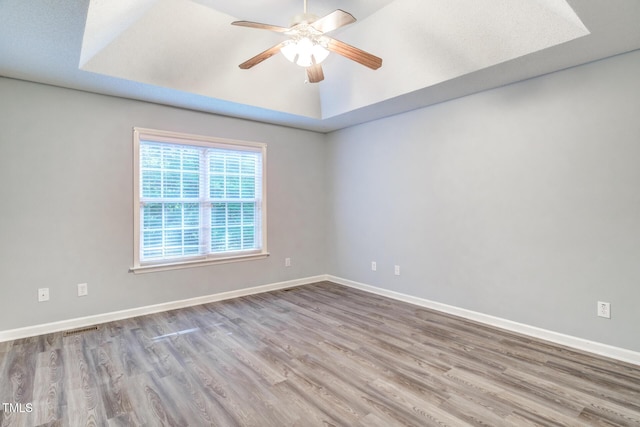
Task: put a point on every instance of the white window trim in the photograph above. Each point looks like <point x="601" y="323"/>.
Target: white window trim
<point x="202" y="141"/>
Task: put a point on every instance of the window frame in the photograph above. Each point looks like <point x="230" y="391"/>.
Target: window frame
<point x="178" y="138"/>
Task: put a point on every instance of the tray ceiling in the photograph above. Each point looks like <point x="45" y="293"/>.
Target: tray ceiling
<point x="186" y="53"/>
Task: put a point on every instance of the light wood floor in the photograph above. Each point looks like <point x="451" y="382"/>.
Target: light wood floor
<point x="318" y="355"/>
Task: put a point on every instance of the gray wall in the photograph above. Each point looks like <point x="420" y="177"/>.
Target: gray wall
<point x="66" y="204"/>
<point x="521" y="202"/>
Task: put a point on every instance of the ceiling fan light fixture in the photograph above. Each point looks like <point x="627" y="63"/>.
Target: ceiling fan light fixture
<point x="304" y="51"/>
<point x="308" y="44"/>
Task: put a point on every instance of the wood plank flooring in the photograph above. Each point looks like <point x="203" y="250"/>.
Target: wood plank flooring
<point x="318" y="355"/>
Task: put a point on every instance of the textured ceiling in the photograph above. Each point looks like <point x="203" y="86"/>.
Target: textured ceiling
<point x="186" y="53"/>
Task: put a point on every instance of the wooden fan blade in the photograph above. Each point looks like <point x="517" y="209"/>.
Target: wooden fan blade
<point x="261" y="56"/>
<point x="315" y="74"/>
<point x="354" y="54"/>
<point x="336" y="19"/>
<point x="260" y="26"/>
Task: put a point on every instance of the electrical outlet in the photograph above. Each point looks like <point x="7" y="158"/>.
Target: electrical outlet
<point x="374" y="266"/>
<point x="604" y="309"/>
<point x="287" y="262"/>
<point x="396" y="270"/>
<point x="43" y="294"/>
<point x="83" y="289"/>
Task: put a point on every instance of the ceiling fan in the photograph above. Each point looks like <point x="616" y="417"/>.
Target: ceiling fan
<point x="308" y="44"/>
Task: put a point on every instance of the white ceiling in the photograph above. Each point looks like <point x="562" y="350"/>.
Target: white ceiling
<point x="186" y="53"/>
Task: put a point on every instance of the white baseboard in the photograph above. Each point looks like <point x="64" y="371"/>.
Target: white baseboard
<point x="532" y="331"/>
<point x="82" y="322"/>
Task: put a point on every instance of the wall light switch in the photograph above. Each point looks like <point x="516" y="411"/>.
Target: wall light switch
<point x="374" y="266"/>
<point x="396" y="270"/>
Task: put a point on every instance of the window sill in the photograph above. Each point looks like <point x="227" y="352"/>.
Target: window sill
<point x="152" y="268"/>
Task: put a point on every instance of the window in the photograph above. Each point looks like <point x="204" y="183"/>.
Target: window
<point x="197" y="200"/>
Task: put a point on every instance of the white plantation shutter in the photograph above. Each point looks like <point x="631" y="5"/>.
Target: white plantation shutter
<point x="198" y="198"/>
